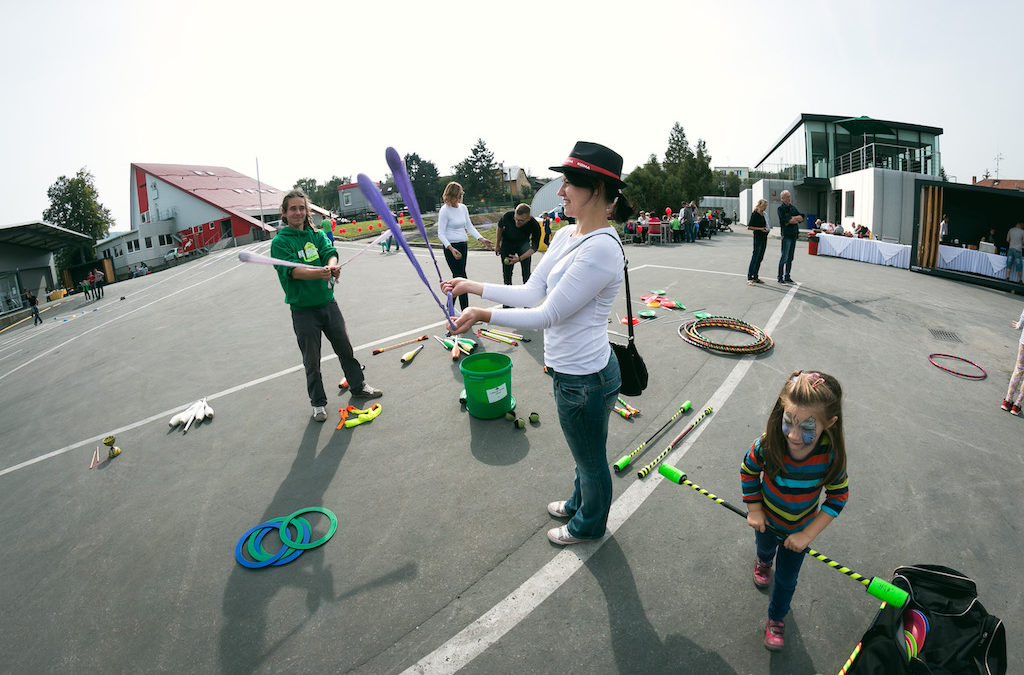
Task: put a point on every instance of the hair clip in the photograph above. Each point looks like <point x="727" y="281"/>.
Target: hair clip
<point x="818" y="379"/>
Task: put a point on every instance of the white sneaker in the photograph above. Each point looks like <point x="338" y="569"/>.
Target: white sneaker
<point x="319" y="413"/>
<point x="557" y="509"/>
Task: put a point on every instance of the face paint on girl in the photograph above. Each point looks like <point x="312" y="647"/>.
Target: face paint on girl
<point x="807" y="426"/>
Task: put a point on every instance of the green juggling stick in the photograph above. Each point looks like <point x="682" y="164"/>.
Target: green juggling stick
<point x="624" y="461"/>
<point x="664" y="453"/>
<point x="880" y="588"/>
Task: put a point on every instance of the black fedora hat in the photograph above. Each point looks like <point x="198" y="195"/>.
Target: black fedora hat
<point x="587" y="157"/>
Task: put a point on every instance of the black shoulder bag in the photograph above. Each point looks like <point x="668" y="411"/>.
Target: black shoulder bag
<point x="632" y="368"/>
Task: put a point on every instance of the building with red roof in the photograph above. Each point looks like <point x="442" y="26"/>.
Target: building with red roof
<point x="184" y="208"/>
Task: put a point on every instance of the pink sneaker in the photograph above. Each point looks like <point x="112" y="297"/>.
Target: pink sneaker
<point x="774" y="635"/>
<point x="1015" y="410"/>
<point x="762" y="573"/>
<point x="1006" y="405"/>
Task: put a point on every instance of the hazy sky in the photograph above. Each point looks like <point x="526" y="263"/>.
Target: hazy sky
<point x="322" y="88"/>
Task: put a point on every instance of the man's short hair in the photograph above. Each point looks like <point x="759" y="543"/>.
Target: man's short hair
<point x="523" y="210"/>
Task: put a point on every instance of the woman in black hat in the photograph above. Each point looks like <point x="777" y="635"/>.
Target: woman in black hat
<point x="570" y="296"/>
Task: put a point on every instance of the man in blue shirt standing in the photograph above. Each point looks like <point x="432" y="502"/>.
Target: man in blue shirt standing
<point x="789" y="221"/>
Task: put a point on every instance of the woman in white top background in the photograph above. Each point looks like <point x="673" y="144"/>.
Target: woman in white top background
<point x="453" y="229"/>
<point x="570" y="296"/>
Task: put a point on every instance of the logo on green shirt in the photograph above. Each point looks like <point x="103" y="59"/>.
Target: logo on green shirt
<point x="309" y="254"/>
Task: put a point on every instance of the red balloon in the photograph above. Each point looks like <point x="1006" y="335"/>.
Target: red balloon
<point x="343" y="230"/>
<point x="353" y="222"/>
<point x="668" y="210"/>
<point x="399" y="221"/>
<point x="371" y="227"/>
<point x="360" y="229"/>
<point x="558" y="219"/>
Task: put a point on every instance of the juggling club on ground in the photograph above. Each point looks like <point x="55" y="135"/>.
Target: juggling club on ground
<point x="664" y="453"/>
<point x="880" y="588"/>
<point x="400" y="344"/>
<point x="624" y="461"/>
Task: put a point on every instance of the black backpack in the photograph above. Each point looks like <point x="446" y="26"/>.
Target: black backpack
<point x="962" y="638"/>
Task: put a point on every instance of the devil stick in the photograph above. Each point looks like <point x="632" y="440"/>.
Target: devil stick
<point x="880" y="588"/>
<point x="376" y="199"/>
<point x="647" y="469"/>
<point x="626" y="459"/>
<point x="404" y="185"/>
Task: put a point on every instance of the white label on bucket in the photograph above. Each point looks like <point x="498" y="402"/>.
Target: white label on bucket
<point x="497" y="394"/>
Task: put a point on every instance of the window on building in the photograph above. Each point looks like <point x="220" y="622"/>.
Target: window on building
<point x="347" y="199"/>
<point x="210" y="227"/>
<point x="149" y="242"/>
<point x="849" y="203"/>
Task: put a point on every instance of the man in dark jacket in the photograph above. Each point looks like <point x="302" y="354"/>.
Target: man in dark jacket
<point x="518" y="238"/>
<point x="789" y="220"/>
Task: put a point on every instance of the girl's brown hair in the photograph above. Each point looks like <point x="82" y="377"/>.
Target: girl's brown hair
<point x="451" y="194"/>
<point x="810" y="389"/>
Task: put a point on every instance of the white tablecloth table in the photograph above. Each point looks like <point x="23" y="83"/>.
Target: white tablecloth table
<point x="975" y="262"/>
<point x="865" y="250"/>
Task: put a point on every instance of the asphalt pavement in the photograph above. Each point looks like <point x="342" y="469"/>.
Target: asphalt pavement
<point x="440" y="561"/>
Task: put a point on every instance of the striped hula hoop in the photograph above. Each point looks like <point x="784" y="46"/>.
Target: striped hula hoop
<point x="690" y="331"/>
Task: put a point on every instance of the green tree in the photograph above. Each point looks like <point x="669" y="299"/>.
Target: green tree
<point x="307" y="185"/>
<point x="75" y="205"/>
<point x="478" y="174"/>
<point x="678" y="150"/>
<point x="425" y="181"/>
<point x="733" y="185"/>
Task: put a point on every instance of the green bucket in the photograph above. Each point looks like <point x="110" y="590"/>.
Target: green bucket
<point x="488" y="379"/>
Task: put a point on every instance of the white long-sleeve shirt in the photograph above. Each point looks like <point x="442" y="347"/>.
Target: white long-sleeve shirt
<point x="453" y="224"/>
<point x="570" y="295"/>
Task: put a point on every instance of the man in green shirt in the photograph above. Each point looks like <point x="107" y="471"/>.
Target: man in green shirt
<point x="311" y="297"/>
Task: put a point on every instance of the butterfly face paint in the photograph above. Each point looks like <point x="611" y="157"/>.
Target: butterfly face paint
<point x="808" y="428"/>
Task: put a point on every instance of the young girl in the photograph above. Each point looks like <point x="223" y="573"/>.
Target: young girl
<point x="801" y="451"/>
<point x="1015" y="394"/>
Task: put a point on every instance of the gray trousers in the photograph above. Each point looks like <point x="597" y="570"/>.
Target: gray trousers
<point x="309" y="324"/>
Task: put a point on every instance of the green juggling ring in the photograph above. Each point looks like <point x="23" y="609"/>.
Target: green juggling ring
<point x="880" y="588"/>
<point x="624" y="461"/>
<point x="313" y="544"/>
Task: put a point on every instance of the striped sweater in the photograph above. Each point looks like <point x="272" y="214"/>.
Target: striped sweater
<point x="790" y="500"/>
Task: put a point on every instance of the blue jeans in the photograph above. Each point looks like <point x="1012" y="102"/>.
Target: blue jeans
<point x="1013" y="261"/>
<point x="690" y="232"/>
<point x="787" y="569"/>
<point x="584" y="403"/>
<point x="786" y="260"/>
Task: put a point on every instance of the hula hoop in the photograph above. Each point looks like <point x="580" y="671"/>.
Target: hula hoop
<point x="958" y="373"/>
<point x="255" y="542"/>
<point x="313" y="544"/>
<point x="264" y="563"/>
<point x="690" y="332"/>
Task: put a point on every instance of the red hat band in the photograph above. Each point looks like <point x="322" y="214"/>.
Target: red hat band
<point x="579" y="164"/>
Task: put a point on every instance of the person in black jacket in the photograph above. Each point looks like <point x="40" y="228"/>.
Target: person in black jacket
<point x="789" y="220"/>
<point x="518" y="239"/>
<point x="759" y="226"/>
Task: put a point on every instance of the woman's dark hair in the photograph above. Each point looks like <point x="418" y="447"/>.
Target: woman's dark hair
<point x="621" y="210"/>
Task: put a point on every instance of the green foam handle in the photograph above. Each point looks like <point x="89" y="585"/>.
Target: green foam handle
<point x="883" y="590"/>
<point x="622" y="463"/>
<point x="675" y="475"/>
<point x="687" y="406"/>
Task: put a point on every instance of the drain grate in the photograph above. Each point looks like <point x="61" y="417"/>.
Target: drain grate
<point x="946" y="335"/>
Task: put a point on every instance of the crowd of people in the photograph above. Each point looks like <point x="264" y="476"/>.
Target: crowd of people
<point x="686" y="225"/>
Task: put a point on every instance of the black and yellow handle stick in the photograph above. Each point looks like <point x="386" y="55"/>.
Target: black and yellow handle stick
<point x="880" y="588"/>
<point x="624" y="461"/>
<point x="664" y="453"/>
